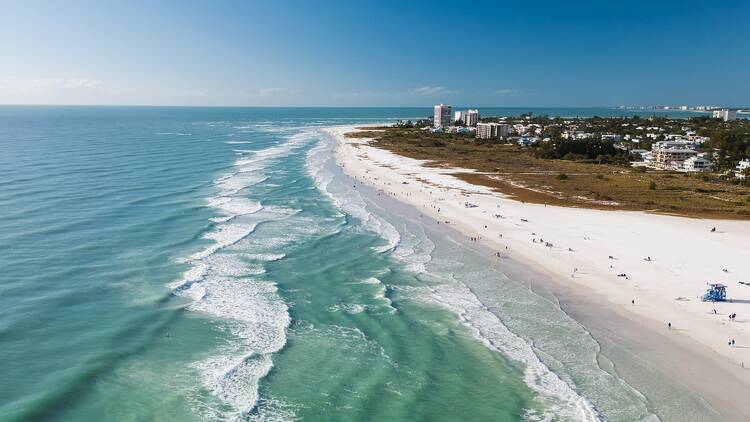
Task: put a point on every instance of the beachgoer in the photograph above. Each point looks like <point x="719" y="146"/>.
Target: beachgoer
<point x="669" y="324"/>
<point x="632" y="301"/>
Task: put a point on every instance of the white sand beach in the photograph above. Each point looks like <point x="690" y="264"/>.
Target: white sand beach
<point x="668" y="260"/>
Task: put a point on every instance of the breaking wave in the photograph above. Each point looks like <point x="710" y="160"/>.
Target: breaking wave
<point x="223" y="282"/>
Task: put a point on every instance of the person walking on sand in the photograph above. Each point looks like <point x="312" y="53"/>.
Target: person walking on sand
<point x="669" y="325"/>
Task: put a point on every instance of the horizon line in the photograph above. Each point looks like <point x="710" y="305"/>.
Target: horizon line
<point x="627" y="107"/>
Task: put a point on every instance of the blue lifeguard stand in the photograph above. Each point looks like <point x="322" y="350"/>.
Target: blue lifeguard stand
<point x="716" y="292"/>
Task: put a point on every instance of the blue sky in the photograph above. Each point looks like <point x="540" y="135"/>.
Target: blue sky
<point x="368" y="53"/>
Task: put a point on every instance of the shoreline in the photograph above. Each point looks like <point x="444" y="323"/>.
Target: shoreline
<point x="596" y="298"/>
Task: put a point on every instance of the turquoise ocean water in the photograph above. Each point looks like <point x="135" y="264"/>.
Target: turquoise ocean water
<point x="180" y="264"/>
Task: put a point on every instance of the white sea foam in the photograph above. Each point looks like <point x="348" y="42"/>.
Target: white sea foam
<point x="558" y="398"/>
<point x="232" y="265"/>
<point x="234" y="380"/>
<point x="369" y="280"/>
<point x="381" y="295"/>
<point x="234" y="206"/>
<point x="195" y="273"/>
<point x="261" y="313"/>
<point x="258" y="319"/>
<point x="350" y="201"/>
<point x="238" y="142"/>
<point x="261" y="157"/>
<point x="235" y="182"/>
<point x="220" y="284"/>
<point x="270" y="409"/>
<point x="225" y="235"/>
<point x="414" y="249"/>
<point x="266" y="256"/>
<point x="349" y="308"/>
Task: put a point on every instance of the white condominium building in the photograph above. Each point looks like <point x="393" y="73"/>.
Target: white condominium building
<point x="696" y="164"/>
<point x="471" y="117"/>
<point x="725" y="114"/>
<point x="442" y="116"/>
<point x="492" y="130"/>
<point x="667" y="154"/>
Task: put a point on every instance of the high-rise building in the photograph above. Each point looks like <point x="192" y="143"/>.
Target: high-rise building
<point x="442" y="116"/>
<point x="725" y="114"/>
<point x="459" y="116"/>
<point x="471" y="118"/>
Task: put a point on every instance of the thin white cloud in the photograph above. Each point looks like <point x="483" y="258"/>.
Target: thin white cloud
<point x="13" y="85"/>
<point x="430" y="90"/>
<point x="267" y="92"/>
<point x="364" y="95"/>
<point x="77" y="83"/>
<point x="504" y="92"/>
